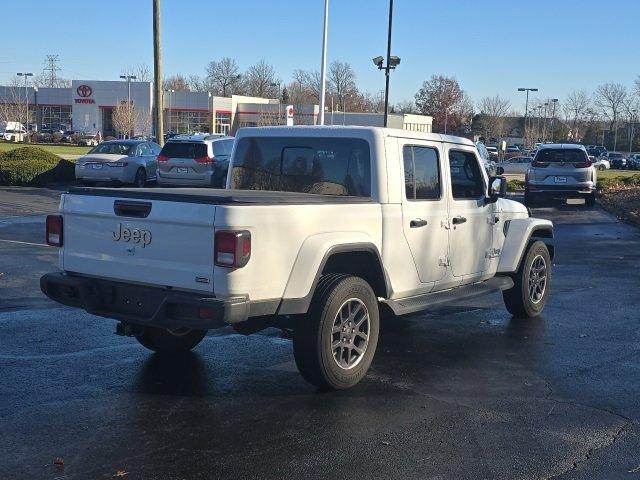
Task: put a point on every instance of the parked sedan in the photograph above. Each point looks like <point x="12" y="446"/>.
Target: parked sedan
<point x="600" y="163"/>
<point x="617" y="160"/>
<point x="122" y="161"/>
<point x="516" y="164"/>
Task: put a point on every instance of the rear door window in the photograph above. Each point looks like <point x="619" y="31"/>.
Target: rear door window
<point x="184" y="150"/>
<point x="329" y="166"/>
<point x="421" y="173"/>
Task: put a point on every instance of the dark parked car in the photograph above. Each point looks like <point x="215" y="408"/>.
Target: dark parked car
<point x="617" y="160"/>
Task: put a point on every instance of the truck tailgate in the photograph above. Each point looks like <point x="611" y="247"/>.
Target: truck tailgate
<point x="145" y="241"/>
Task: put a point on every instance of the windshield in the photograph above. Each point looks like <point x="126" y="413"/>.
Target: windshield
<point x="329" y="166"/>
<point x="113" y="148"/>
<point x="561" y="155"/>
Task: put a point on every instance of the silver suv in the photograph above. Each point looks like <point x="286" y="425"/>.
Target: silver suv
<point x="560" y="171"/>
<point x="201" y="160"/>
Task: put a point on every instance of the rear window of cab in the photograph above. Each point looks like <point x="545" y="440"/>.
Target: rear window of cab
<point x="327" y="166"/>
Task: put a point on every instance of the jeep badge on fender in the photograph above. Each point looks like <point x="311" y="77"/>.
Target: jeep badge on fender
<point x="135" y="235"/>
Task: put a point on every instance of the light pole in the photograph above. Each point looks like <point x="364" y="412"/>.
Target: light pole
<point x="631" y="134"/>
<point x="26" y="76"/>
<point x="157" y="75"/>
<point x="128" y="78"/>
<point x="544" y="123"/>
<point x="392" y="63"/>
<point x="323" y="63"/>
<point x="553" y="119"/>
<point x="526" y="110"/>
<point x="170" y="92"/>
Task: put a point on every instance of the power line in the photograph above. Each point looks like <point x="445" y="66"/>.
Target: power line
<point x="50" y="70"/>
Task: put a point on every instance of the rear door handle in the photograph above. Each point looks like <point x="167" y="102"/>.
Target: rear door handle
<point x="458" y="220"/>
<point x="417" y="223"/>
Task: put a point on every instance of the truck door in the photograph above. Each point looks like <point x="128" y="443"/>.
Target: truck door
<point x="424" y="208"/>
<point x="471" y="230"/>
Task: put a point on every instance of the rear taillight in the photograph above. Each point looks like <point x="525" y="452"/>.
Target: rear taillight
<point x="582" y="165"/>
<point x="536" y="163"/>
<point x="54" y="230"/>
<point x="162" y="158"/>
<point x="204" y="160"/>
<point x="232" y="249"/>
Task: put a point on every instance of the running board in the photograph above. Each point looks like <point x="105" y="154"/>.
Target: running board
<point x="418" y="303"/>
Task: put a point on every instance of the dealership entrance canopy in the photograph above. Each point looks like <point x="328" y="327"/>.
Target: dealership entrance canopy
<point x="88" y="106"/>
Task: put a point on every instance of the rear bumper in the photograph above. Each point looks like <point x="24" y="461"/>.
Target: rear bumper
<point x="143" y="305"/>
<point x="107" y="174"/>
<point x="585" y="188"/>
<point x="176" y="179"/>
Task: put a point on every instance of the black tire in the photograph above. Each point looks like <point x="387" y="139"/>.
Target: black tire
<point x="165" y="341"/>
<point x="529" y="199"/>
<point x="140" y="179"/>
<point x="88" y="183"/>
<point x="518" y="299"/>
<point x="590" y="200"/>
<point x="313" y="336"/>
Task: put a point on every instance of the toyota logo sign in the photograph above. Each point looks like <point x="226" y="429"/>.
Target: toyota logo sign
<point x="84" y="91"/>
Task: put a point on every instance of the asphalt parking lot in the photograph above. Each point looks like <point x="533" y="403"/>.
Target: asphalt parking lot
<point x="464" y="393"/>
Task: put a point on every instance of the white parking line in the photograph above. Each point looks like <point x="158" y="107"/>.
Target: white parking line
<point x="25" y="243"/>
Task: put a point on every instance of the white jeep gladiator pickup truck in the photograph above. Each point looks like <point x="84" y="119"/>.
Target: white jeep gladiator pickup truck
<point x="319" y="230"/>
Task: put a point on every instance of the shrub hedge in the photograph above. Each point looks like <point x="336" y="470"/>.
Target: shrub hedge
<point x="34" y="166"/>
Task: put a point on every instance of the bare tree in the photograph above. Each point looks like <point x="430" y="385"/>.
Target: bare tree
<point x="223" y="77"/>
<point x="308" y="83"/>
<point x="493" y="111"/>
<point x="125" y="118"/>
<point x="176" y="82"/>
<point x="611" y="98"/>
<point x="140" y="71"/>
<point x="576" y="108"/>
<point x="405" y="106"/>
<point x="197" y="83"/>
<point x="261" y="80"/>
<point x="443" y="99"/>
<point x="342" y="79"/>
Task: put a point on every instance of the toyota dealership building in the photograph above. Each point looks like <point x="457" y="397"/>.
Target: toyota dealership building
<point x="89" y="104"/>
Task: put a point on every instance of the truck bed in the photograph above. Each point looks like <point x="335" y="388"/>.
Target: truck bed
<point x="213" y="196"/>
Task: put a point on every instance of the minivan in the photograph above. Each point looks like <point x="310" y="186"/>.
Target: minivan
<point x="198" y="160"/>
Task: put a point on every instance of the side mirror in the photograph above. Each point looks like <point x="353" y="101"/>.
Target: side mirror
<point x="500" y="171"/>
<point x="497" y="188"/>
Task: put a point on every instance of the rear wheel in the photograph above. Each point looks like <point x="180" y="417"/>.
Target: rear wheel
<point x="170" y="341"/>
<point x="590" y="200"/>
<point x="529" y="199"/>
<point x="335" y="342"/>
<point x="141" y="178"/>
<point x="528" y="296"/>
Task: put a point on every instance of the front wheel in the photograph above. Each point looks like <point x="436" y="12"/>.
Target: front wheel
<point x="335" y="342"/>
<point x="170" y="341"/>
<point x="528" y="296"/>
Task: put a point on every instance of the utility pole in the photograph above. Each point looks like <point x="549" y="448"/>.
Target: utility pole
<point x="544" y="123"/>
<point x="323" y="64"/>
<point x="51" y="68"/>
<point x="632" y="128"/>
<point x="157" y="74"/>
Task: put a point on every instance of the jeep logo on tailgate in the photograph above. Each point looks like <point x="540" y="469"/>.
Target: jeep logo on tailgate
<point x="135" y="235"/>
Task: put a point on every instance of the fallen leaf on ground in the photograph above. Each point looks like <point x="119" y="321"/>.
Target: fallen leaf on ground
<point x="384" y="442"/>
<point x="58" y="461"/>
<point x="121" y="473"/>
<point x="635" y="470"/>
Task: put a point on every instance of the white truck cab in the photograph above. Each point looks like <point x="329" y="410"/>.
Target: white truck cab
<point x="319" y="229"/>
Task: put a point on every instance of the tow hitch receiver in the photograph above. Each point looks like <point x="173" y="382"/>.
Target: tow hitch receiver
<point x="128" y="330"/>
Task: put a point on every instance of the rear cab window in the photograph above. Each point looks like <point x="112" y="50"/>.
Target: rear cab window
<point x="184" y="150"/>
<point x="327" y="166"/>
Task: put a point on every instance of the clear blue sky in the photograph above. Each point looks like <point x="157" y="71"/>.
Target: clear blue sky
<point x="491" y="46"/>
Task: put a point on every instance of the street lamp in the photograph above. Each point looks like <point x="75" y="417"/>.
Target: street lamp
<point x="544" y="123"/>
<point x="26" y="76"/>
<point x="170" y="92"/>
<point x="553" y="119"/>
<point x="392" y="63"/>
<point x="128" y="78"/>
<point x="632" y="128"/>
<point x="526" y="108"/>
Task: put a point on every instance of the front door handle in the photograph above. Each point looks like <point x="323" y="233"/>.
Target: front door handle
<point x="417" y="223"/>
<point x="458" y="220"/>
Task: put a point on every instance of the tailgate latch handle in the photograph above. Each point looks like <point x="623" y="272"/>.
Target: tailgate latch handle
<point x="124" y="208"/>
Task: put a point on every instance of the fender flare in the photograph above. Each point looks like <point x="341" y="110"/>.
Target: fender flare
<point x="292" y="305"/>
<point x="521" y="232"/>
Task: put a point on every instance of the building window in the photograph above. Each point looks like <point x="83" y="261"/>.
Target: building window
<point x="187" y="121"/>
<point x="223" y="122"/>
<point x="54" y="115"/>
